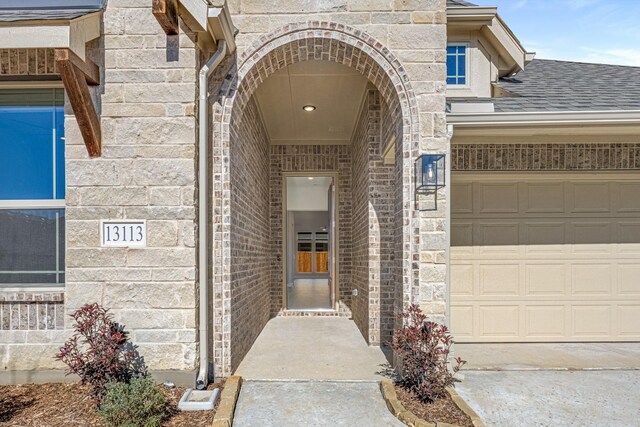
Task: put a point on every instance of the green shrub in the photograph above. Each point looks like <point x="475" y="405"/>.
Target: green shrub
<point x="136" y="404"/>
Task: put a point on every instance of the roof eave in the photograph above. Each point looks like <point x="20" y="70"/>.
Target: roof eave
<point x="543" y="118"/>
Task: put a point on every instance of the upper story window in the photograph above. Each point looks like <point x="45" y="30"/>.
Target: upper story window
<point x="32" y="187"/>
<point x="457" y="64"/>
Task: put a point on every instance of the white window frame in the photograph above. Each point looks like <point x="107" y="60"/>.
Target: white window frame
<point x="467" y="63"/>
<point x="38" y="203"/>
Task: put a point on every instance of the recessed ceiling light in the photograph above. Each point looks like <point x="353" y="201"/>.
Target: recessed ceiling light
<point x="310" y="178"/>
<point x="309" y="107"/>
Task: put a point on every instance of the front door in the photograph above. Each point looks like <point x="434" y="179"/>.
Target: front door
<point x="310" y="243"/>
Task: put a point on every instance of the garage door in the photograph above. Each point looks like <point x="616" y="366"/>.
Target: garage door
<point x="545" y="257"/>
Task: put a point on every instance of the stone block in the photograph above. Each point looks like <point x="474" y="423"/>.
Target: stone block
<point x="417" y="36"/>
<point x="31" y="356"/>
<point x="133" y="110"/>
<point x="162" y="233"/>
<point x="161" y="257"/>
<point x="370" y="5"/>
<point x="433" y="273"/>
<point x="165" y="196"/>
<point x="168" y="130"/>
<point x="423" y="5"/>
<point x="174" y="356"/>
<point x="390" y="18"/>
<point x="156" y="319"/>
<point x="103" y="257"/>
<point x="114" y="196"/>
<point x="160" y="92"/>
<point x="82" y="233"/>
<point x="287" y="6"/>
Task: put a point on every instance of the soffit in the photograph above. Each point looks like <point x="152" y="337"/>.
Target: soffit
<point x="335" y="90"/>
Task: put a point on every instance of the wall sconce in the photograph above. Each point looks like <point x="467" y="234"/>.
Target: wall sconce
<point x="430" y="177"/>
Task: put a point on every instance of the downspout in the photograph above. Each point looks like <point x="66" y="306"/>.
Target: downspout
<point x="203" y="210"/>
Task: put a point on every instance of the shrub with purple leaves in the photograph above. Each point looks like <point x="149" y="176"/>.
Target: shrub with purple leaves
<point x="99" y="351"/>
<point x="422" y="348"/>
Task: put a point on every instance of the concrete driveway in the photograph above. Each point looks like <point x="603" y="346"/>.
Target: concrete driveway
<point x="554" y="398"/>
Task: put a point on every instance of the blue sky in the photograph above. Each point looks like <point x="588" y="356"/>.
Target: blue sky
<point x="600" y="31"/>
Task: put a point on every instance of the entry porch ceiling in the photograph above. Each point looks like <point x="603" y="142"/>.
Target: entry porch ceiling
<point x="334" y="89"/>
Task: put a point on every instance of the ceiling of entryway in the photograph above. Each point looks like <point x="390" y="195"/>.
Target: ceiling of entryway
<point x="334" y="89"/>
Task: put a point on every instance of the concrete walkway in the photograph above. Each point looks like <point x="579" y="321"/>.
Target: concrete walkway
<point x="313" y="404"/>
<point x="312" y="348"/>
<point x="312" y="371"/>
<point x="553" y="398"/>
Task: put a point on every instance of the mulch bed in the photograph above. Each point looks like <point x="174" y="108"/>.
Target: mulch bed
<point x="443" y="409"/>
<point x="57" y="405"/>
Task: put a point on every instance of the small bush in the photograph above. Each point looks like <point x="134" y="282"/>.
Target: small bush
<point x="137" y="404"/>
<point x="422" y="348"/>
<point x="99" y="351"/>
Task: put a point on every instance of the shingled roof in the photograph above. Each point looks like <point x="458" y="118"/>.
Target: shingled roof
<point x="454" y="3"/>
<point x="29" y="10"/>
<point x="547" y="85"/>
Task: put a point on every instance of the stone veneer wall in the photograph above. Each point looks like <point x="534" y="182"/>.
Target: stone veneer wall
<point x="250" y="239"/>
<point x="312" y="158"/>
<point x="147" y="171"/>
<point x="373" y="225"/>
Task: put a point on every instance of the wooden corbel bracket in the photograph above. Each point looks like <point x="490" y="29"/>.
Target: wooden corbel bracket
<point x="166" y="12"/>
<point x="77" y="75"/>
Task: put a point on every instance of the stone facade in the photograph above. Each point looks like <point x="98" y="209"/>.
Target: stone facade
<point x="147" y="171"/>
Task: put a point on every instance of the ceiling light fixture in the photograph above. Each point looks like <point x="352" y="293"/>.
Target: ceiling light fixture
<point x="309" y="108"/>
<point x="310" y="178"/>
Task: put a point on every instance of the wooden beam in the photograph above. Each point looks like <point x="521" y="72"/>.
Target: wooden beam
<point x="75" y="84"/>
<point x="166" y="12"/>
<point x="90" y="70"/>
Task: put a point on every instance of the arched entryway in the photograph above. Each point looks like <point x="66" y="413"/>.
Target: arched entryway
<point x="247" y="175"/>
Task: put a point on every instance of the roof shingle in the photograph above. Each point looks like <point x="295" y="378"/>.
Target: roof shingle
<point x="549" y="85"/>
<point x="29" y="10"/>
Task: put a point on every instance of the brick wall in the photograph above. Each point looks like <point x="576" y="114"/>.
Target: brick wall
<point x="250" y="239"/>
<point x="373" y="225"/>
<point x="312" y="158"/>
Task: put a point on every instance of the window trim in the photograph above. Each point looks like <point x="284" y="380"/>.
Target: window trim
<point x="54" y="203"/>
<point x="467" y="61"/>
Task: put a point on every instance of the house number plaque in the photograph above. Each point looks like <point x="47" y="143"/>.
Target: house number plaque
<point x="123" y="233"/>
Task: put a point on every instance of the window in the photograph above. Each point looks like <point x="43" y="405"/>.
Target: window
<point x="32" y="226"/>
<point x="457" y="64"/>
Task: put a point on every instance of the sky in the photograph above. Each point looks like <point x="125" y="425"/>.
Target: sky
<point x="600" y="31"/>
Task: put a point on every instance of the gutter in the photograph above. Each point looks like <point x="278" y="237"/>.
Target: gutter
<point x="479" y="119"/>
<point x="203" y="210"/>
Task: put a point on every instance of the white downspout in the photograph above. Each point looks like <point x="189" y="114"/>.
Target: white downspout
<point x="203" y="210"/>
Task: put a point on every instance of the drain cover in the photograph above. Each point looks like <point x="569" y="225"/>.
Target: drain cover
<point x="198" y="400"/>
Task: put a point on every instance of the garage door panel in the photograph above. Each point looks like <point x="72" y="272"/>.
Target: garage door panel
<point x="545" y="280"/>
<point x="628" y="238"/>
<point x="462" y="321"/>
<point x="591" y="280"/>
<point x="551" y="260"/>
<point x="462" y="198"/>
<point x="629" y="321"/>
<point x="498" y="198"/>
<point x="462" y="280"/>
<point x="462" y="236"/>
<point x="629" y="197"/>
<point x="545" y="321"/>
<point x="546" y="238"/>
<point x="629" y="279"/>
<point x="589" y="197"/>
<point x="544" y="197"/>
<point x="499" y="321"/>
<point x="495" y="237"/>
<point x="591" y="321"/>
<point x="499" y="279"/>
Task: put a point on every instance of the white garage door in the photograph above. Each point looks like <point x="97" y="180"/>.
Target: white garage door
<point x="545" y="257"/>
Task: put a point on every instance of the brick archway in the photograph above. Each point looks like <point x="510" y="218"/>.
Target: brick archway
<point x="327" y="41"/>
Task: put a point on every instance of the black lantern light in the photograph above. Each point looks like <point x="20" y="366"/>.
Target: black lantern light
<point x="430" y="177"/>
